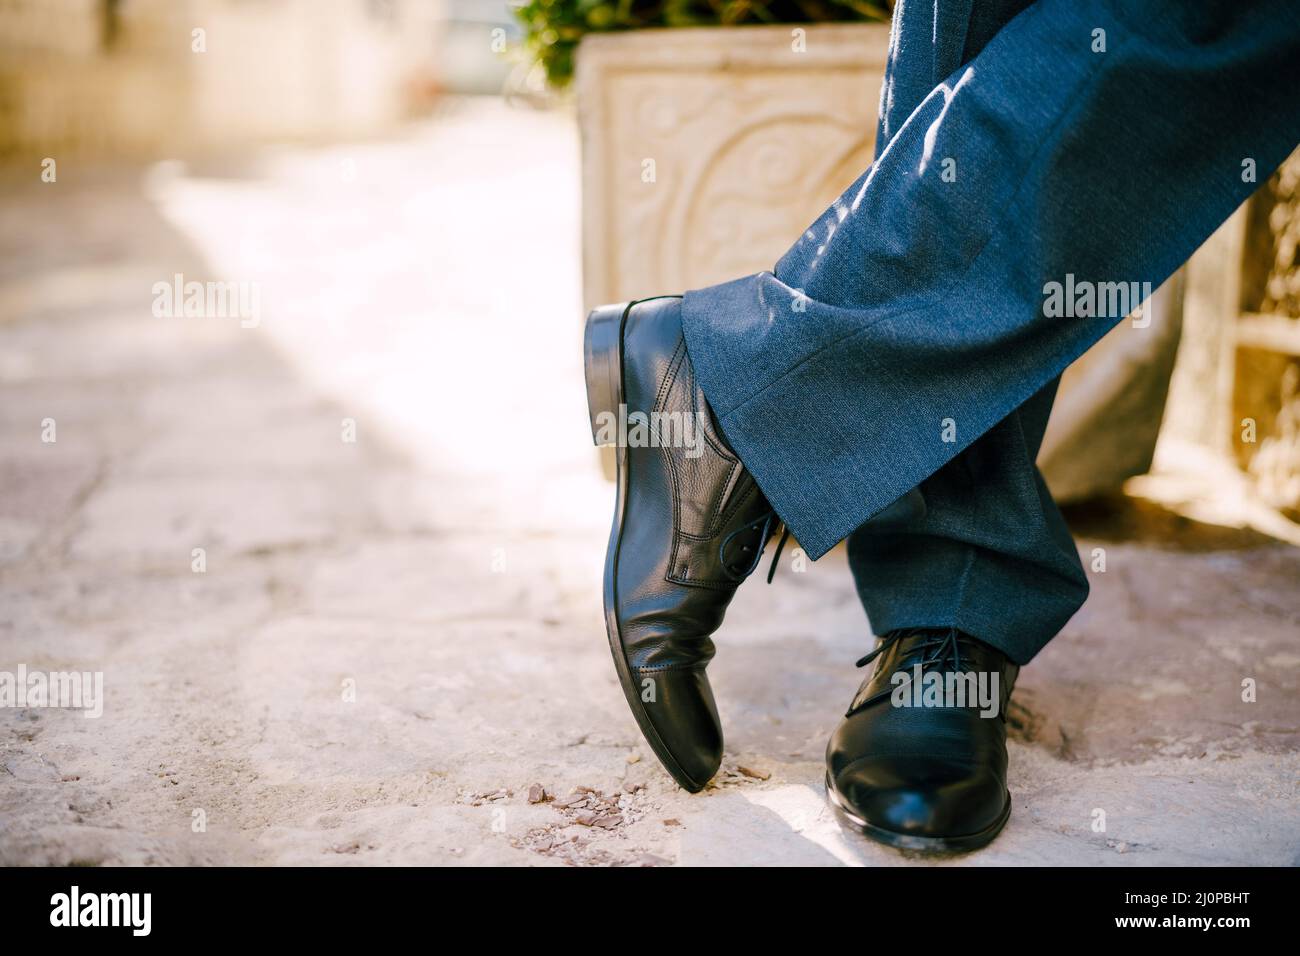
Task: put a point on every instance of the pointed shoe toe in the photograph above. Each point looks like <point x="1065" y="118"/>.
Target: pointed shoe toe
<point x="922" y="803"/>
<point x="679" y="707"/>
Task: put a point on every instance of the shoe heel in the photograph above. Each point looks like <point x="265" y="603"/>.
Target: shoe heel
<point x="603" y="369"/>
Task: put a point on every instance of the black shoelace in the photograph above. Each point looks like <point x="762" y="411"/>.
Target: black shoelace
<point x="765" y="525"/>
<point x="939" y="645"/>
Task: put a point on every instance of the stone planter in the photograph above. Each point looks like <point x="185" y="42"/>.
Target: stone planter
<point x="705" y="152"/>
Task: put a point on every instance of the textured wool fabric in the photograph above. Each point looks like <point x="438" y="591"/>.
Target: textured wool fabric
<point x="993" y="555"/>
<point x="1101" y="140"/>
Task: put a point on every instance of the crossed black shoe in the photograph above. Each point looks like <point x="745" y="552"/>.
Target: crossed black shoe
<point x="689" y="525"/>
<point x="926" y="776"/>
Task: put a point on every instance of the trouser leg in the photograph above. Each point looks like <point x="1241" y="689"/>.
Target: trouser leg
<point x="1092" y="141"/>
<point x="992" y="556"/>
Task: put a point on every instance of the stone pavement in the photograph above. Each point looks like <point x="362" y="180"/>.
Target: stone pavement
<point x="396" y="638"/>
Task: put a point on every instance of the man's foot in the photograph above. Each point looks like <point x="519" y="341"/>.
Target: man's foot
<point x="919" y="776"/>
<point x="689" y="525"/>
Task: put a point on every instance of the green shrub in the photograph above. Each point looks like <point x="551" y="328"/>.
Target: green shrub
<point x="552" y="28"/>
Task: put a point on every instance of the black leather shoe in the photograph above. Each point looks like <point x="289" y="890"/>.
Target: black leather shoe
<point x="689" y="525"/>
<point x="925" y="777"/>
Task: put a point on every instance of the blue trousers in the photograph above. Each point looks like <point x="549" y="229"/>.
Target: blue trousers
<point x="906" y="338"/>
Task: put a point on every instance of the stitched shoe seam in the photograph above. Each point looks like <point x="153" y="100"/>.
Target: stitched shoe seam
<point x="668" y="667"/>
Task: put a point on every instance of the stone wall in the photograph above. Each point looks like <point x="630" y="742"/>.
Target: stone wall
<point x="81" y="77"/>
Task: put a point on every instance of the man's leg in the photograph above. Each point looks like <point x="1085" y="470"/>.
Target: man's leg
<point x="904" y="326"/>
<point x="906" y="340"/>
<point x="1101" y="140"/>
<point x="992" y="556"/>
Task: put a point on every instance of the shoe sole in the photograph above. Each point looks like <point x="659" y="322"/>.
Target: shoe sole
<point x="910" y="841"/>
<point x="603" y="365"/>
